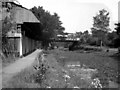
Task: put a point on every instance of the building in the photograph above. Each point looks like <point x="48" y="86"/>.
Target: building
<point x="23" y="20"/>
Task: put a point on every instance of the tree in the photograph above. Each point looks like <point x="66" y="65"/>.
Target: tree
<point x="111" y="37"/>
<point x="118" y="29"/>
<point x="51" y="24"/>
<point x="78" y="34"/>
<point x="8" y="23"/>
<point x="117" y="42"/>
<point x="101" y="25"/>
<point x="86" y="36"/>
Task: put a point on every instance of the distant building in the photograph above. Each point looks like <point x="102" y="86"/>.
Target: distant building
<point x="68" y="36"/>
<point x="72" y="36"/>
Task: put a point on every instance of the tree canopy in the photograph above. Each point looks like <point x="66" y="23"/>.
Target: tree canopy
<point x="118" y="29"/>
<point x="117" y="42"/>
<point x="51" y="23"/>
<point x="101" y="25"/>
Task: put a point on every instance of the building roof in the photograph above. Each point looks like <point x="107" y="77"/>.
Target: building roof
<point x="21" y="14"/>
<point x="13" y="1"/>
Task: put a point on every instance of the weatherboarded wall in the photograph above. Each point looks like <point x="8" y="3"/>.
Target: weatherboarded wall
<point x="18" y="15"/>
<point x="29" y="45"/>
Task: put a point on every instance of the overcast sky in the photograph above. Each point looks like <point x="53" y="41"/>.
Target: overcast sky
<point x="76" y="15"/>
<point x="119" y="11"/>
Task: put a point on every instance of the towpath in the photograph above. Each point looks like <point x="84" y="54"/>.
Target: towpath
<point x="16" y="67"/>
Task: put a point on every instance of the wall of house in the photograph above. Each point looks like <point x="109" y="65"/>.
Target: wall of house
<point x="13" y="46"/>
<point x="29" y="45"/>
<point x="18" y="15"/>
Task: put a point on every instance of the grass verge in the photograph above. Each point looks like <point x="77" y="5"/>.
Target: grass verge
<point x="24" y="79"/>
<point x="108" y="67"/>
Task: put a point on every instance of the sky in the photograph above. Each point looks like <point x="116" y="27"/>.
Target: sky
<point x="76" y="15"/>
<point x="119" y="11"/>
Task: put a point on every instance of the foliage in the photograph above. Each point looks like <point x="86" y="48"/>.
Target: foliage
<point x="85" y="37"/>
<point x="101" y="25"/>
<point x="118" y="29"/>
<point x="101" y="20"/>
<point x="78" y="34"/>
<point x="117" y="41"/>
<point x="7" y="24"/>
<point x="111" y="39"/>
<point x="93" y="41"/>
<point x="50" y="23"/>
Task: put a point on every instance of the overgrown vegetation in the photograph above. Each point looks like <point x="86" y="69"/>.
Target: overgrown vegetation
<point x="24" y="79"/>
<point x="8" y="24"/>
<point x="45" y="73"/>
<point x="117" y="41"/>
<point x="107" y="66"/>
<point x="101" y="25"/>
<point x="107" y="69"/>
<point x="101" y="34"/>
<point x="51" y="25"/>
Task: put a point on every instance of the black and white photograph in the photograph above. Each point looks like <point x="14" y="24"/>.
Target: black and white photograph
<point x="60" y="44"/>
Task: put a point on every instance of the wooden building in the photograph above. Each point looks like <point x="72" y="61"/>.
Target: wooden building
<point x="18" y="34"/>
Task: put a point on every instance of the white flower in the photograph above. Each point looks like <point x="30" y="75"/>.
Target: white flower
<point x="67" y="76"/>
<point x="96" y="83"/>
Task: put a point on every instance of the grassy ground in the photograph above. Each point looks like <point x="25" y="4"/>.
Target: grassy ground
<point x="7" y="60"/>
<point x="107" y="65"/>
<point x="105" y="62"/>
<point x="19" y="74"/>
<point x="24" y="79"/>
